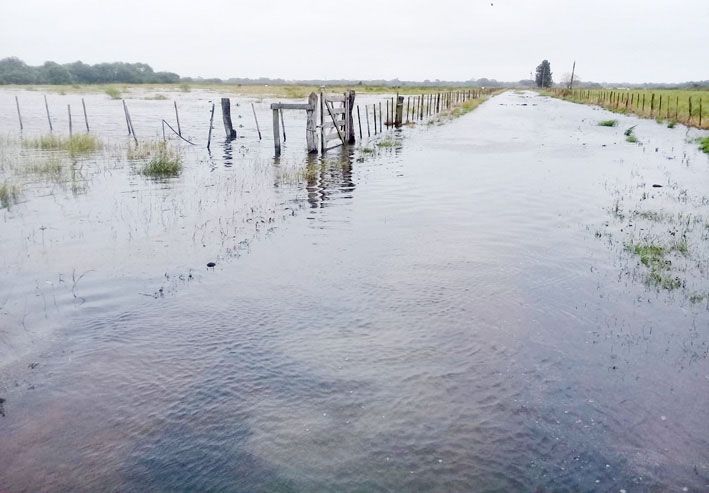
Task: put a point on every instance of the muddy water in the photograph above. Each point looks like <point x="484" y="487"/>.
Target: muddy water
<point x="454" y="313"/>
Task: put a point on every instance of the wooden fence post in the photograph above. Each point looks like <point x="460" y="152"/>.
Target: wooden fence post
<point x="350" y="137"/>
<point x="366" y="117"/>
<point x="258" y="129"/>
<point x="86" y="118"/>
<point x="211" y="121"/>
<point x="226" y="118"/>
<point x="177" y="117"/>
<point x="125" y="112"/>
<point x="312" y="124"/>
<point x="49" y="118"/>
<point x="399" y="111"/>
<point x="19" y="115"/>
<point x="359" y="123"/>
<point x="276" y="133"/>
<point x="68" y="109"/>
<point x="283" y="125"/>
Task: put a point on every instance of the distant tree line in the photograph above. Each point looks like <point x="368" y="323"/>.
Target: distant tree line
<point x="15" y="71"/>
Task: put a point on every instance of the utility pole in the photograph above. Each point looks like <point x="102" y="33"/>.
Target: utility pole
<point x="573" y="71"/>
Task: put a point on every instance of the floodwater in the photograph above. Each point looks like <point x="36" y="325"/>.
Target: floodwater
<point x="455" y="312"/>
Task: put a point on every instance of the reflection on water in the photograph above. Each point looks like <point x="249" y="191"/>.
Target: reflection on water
<point x="453" y="325"/>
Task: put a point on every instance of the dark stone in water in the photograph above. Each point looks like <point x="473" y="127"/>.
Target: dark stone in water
<point x="211" y="264"/>
<point x="656" y="185"/>
<point x="33" y="365"/>
<point x="2" y="408"/>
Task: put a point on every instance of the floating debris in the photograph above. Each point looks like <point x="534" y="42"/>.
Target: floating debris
<point x="211" y="264"/>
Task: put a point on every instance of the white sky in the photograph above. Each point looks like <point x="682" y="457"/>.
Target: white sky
<point x="621" y="41"/>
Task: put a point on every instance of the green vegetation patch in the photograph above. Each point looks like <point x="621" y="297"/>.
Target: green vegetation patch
<point x="654" y="258"/>
<point x="9" y="194"/>
<point x="113" y="92"/>
<point x="387" y="143"/>
<point x="608" y="123"/>
<point x="704" y="144"/>
<point x="74" y="145"/>
<point x="165" y="163"/>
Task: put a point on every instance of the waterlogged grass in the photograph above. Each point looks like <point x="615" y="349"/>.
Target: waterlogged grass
<point x="387" y="143"/>
<point x="156" y="97"/>
<point x="74" y="145"/>
<point x="113" y="92"/>
<point x="467" y="107"/>
<point x="164" y="162"/>
<point x="630" y="136"/>
<point x="9" y="195"/>
<point x="50" y="168"/>
<point x="704" y="144"/>
<point x="654" y="257"/>
<point x="660" y="104"/>
<point x="608" y="123"/>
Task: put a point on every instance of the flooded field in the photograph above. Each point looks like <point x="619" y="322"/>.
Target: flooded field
<point x="517" y="299"/>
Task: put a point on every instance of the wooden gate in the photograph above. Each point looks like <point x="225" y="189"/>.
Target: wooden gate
<point x="336" y="124"/>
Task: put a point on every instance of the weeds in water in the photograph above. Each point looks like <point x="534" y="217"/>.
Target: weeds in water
<point x="387" y="142"/>
<point x="50" y="168"/>
<point x="653" y="256"/>
<point x="671" y="124"/>
<point x="367" y="150"/>
<point x="185" y="87"/>
<point x="74" y="145"/>
<point x="704" y="144"/>
<point x="608" y="123"/>
<point x="630" y="136"/>
<point x="9" y="194"/>
<point x="165" y="163"/>
<point x="113" y="92"/>
<point x="156" y="97"/>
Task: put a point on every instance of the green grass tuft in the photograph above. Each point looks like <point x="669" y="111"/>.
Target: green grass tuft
<point x="74" y="145"/>
<point x="113" y="92"/>
<point x="9" y="194"/>
<point x="387" y="142"/>
<point x="608" y="123"/>
<point x="165" y="163"/>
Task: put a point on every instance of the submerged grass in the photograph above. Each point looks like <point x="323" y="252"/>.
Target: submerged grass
<point x="9" y="194"/>
<point x="608" y="123"/>
<point x="653" y="256"/>
<point x="74" y="145"/>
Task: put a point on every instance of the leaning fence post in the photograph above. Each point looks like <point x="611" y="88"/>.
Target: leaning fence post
<point x="211" y="120"/>
<point x="258" y="129"/>
<point x="177" y="117"/>
<point x="86" y="118"/>
<point x="312" y="124"/>
<point x="49" y="118"/>
<point x="19" y="115"/>
<point x="359" y="123"/>
<point x="276" y="132"/>
<point x="226" y="118"/>
<point x="68" y="109"/>
<point x="366" y="117"/>
<point x="125" y="111"/>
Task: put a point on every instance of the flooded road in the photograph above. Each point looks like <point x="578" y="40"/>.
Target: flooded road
<point x="456" y="310"/>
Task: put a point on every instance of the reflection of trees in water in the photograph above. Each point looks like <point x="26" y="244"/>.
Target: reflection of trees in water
<point x="330" y="175"/>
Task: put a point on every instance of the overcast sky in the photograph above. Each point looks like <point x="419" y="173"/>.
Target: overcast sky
<point x="628" y="40"/>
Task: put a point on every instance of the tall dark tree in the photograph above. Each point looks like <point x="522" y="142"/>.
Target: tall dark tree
<point x="543" y="77"/>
